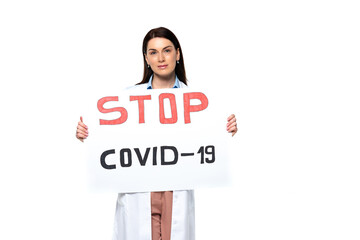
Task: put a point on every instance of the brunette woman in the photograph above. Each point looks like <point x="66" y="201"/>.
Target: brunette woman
<point x="157" y="215"/>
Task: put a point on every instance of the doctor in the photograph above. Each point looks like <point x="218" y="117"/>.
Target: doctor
<point x="157" y="215"/>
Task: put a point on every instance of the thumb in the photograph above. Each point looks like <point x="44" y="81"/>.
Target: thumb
<point x="81" y="119"/>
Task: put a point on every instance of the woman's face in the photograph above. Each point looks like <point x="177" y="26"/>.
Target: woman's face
<point x="161" y="55"/>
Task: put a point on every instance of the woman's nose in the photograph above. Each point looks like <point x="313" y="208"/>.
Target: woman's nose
<point x="161" y="57"/>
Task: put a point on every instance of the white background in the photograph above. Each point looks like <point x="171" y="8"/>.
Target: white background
<point x="290" y="71"/>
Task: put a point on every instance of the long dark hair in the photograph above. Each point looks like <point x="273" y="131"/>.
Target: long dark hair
<point x="163" y="33"/>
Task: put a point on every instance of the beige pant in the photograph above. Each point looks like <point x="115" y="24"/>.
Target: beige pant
<point x="161" y="211"/>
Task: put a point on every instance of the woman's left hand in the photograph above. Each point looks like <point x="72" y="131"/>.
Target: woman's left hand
<point x="231" y="126"/>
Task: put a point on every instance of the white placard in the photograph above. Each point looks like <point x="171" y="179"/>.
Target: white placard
<point x="157" y="140"/>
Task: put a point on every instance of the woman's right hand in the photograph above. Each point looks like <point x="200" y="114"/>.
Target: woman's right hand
<point x="81" y="131"/>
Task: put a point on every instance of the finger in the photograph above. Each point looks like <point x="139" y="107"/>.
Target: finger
<point x="81" y="136"/>
<point x="231" y="121"/>
<point x="230" y="117"/>
<point x="81" y="119"/>
<point x="234" y="124"/>
<point x="82" y="125"/>
<point x="82" y="131"/>
<point x="233" y="130"/>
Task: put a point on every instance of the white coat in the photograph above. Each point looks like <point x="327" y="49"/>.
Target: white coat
<point x="133" y="213"/>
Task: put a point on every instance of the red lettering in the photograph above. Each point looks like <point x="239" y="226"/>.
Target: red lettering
<point x="141" y="100"/>
<point x="173" y="118"/>
<point x="122" y="111"/>
<point x="194" y="108"/>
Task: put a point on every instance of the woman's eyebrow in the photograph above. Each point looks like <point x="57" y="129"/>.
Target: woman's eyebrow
<point x="152" y="49"/>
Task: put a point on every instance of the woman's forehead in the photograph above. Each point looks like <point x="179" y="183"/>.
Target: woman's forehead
<point x="159" y="43"/>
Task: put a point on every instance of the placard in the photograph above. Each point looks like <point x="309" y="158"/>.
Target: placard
<point x="157" y="140"/>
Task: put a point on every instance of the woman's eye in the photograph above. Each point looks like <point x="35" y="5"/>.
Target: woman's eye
<point x="152" y="53"/>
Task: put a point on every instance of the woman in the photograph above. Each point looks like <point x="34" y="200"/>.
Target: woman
<point x="172" y="212"/>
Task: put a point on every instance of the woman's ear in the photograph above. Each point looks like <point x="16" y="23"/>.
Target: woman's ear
<point x="146" y="59"/>
<point x="178" y="54"/>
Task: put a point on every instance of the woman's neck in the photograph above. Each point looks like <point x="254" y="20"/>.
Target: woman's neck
<point x="160" y="82"/>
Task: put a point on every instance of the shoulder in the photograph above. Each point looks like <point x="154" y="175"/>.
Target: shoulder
<point x="183" y="85"/>
<point x="137" y="87"/>
<point x="144" y="86"/>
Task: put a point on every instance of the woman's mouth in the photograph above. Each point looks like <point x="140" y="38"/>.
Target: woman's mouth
<point x="162" y="66"/>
